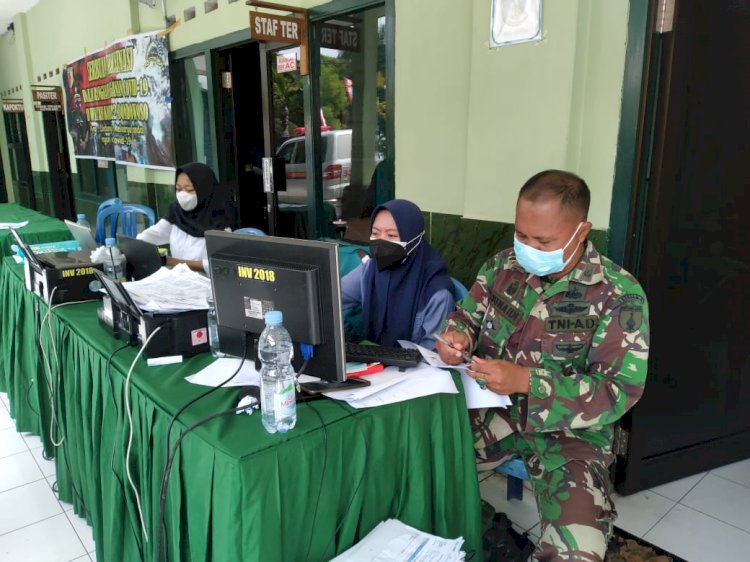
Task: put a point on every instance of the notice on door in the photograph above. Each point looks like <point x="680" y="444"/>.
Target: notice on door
<point x="286" y="63"/>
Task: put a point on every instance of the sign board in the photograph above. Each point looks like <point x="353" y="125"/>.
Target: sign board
<point x="47" y="98"/>
<point x="269" y="27"/>
<point x="13" y="106"/>
<point x="339" y="37"/>
<point x="118" y="102"/>
<point x="268" y="175"/>
<point x="286" y="63"/>
<point x="46" y="94"/>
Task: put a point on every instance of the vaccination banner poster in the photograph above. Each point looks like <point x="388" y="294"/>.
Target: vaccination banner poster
<point x="118" y="103"/>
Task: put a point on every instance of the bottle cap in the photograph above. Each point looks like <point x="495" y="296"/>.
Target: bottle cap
<point x="81" y="216"/>
<point x="110" y="241"/>
<point x="274" y="318"/>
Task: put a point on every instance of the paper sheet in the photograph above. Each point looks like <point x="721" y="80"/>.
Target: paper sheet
<point x="171" y="290"/>
<point x="478" y="398"/>
<point x="393" y="540"/>
<point x="432" y="357"/>
<point x="16" y="225"/>
<point x="220" y="370"/>
<point x="391" y="385"/>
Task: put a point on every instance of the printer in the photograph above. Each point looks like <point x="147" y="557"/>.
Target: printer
<point x="67" y="276"/>
<point x="181" y="333"/>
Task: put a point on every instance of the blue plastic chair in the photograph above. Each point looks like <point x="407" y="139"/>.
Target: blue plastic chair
<point x="459" y="291"/>
<point x="250" y="230"/>
<point x="515" y="470"/>
<point x="104" y="210"/>
<point x="124" y="217"/>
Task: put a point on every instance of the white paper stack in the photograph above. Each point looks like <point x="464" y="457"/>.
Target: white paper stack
<point x="392" y="540"/>
<point x="171" y="290"/>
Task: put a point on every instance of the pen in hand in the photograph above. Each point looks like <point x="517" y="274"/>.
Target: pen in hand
<point x="466" y="357"/>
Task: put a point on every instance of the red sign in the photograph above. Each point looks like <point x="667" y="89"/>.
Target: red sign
<point x="286" y="63"/>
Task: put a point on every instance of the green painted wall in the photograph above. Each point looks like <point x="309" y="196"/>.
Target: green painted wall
<point x="473" y="123"/>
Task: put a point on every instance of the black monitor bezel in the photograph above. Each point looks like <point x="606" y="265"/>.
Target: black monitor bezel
<point x="118" y="294"/>
<point x="329" y="362"/>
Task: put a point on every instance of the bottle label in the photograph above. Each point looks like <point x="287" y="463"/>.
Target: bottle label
<point x="285" y="402"/>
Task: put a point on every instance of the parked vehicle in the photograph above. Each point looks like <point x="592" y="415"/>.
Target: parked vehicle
<point x="337" y="167"/>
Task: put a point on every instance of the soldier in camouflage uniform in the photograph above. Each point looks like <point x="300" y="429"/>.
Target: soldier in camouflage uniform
<point x="569" y="344"/>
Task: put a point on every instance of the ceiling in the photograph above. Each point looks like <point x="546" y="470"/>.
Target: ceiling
<point x="9" y="8"/>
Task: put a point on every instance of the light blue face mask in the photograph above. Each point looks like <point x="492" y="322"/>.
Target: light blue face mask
<point x="539" y="262"/>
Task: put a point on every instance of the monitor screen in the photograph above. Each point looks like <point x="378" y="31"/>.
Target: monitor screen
<point x="251" y="275"/>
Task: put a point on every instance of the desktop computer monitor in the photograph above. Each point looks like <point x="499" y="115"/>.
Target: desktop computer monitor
<point x="251" y="275"/>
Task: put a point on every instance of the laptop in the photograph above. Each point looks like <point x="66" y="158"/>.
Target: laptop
<point x="82" y="235"/>
<point x="143" y="258"/>
<point x="57" y="260"/>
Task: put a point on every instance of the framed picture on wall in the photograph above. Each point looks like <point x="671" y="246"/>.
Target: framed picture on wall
<point x="515" y="21"/>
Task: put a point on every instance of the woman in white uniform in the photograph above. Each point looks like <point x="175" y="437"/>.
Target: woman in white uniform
<point x="202" y="204"/>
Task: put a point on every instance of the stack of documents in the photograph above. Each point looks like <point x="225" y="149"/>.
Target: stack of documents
<point x="171" y="290"/>
<point x="392" y="540"/>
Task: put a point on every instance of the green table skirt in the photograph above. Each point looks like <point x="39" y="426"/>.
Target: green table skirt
<point x="237" y="493"/>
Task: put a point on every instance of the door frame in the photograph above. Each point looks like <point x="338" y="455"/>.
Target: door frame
<point x="58" y="163"/>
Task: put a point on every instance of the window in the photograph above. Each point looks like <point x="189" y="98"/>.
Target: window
<point x="192" y="116"/>
<point x="354" y="111"/>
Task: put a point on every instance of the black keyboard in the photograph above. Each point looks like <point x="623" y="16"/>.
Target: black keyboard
<point x="397" y="356"/>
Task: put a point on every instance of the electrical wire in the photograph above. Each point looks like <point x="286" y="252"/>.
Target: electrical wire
<point x="108" y="372"/>
<point x="48" y="379"/>
<point x="361" y="478"/>
<point x="201" y="396"/>
<point x="130" y="436"/>
<point x="167" y="468"/>
<point x="51" y="386"/>
<point x="194" y="400"/>
<point x="322" y="478"/>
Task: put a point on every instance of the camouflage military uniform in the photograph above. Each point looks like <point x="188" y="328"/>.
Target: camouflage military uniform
<point x="585" y="339"/>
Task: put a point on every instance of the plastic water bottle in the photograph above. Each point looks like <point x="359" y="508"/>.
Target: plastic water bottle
<point x="278" y="402"/>
<point x="114" y="262"/>
<point x="81" y="220"/>
<point x="213" y="329"/>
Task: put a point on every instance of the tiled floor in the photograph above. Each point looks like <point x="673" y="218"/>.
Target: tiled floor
<point x="34" y="525"/>
<point x="702" y="518"/>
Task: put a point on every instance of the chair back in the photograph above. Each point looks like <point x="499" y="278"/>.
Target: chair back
<point x="104" y="210"/>
<point x="249" y="230"/>
<point x="459" y="291"/>
<point x="124" y="216"/>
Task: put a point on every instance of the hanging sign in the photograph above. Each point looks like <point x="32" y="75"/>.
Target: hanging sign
<point x="13" y="106"/>
<point x="269" y="27"/>
<point x="118" y="102"/>
<point x="281" y="29"/>
<point x="47" y="98"/>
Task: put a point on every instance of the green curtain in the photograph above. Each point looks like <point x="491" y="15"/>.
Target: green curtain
<point x="236" y="492"/>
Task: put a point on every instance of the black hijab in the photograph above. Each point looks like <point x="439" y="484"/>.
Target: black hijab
<point x="212" y="211"/>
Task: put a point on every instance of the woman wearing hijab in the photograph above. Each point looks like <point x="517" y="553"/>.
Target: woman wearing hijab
<point x="404" y="289"/>
<point x="202" y="204"/>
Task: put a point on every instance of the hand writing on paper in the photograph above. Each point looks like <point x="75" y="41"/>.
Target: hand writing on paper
<point x="451" y="347"/>
<point x="499" y="376"/>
